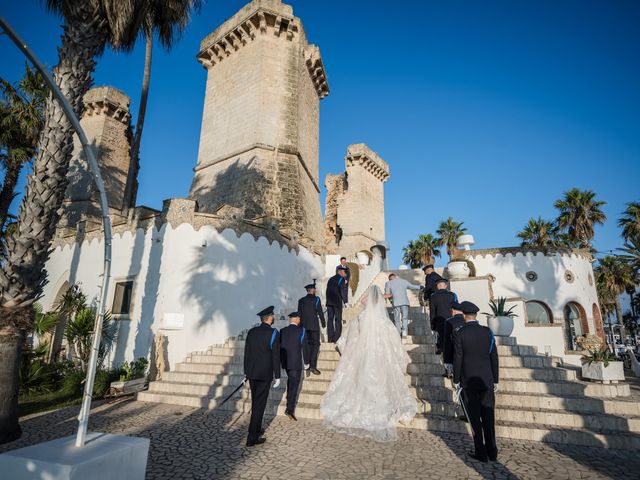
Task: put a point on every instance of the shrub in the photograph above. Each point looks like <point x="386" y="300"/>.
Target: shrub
<point x="354" y="269"/>
<point x="134" y="369"/>
<point x="72" y="382"/>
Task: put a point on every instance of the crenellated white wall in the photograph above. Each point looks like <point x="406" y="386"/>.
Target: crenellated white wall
<point x="215" y="281"/>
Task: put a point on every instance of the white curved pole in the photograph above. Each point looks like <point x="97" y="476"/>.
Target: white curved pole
<point x="83" y="418"/>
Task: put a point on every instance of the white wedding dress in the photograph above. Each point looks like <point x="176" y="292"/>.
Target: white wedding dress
<point x="368" y="394"/>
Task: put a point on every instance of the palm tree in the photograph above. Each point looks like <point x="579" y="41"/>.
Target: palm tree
<point x="21" y="120"/>
<point x="421" y="251"/>
<point x="613" y="276"/>
<point x="631" y="253"/>
<point x="630" y="221"/>
<point x="578" y="214"/>
<point x="448" y="233"/>
<point x="539" y="233"/>
<point x="89" y="27"/>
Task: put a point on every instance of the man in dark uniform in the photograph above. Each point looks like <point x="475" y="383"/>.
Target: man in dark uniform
<point x="292" y="341"/>
<point x="475" y="369"/>
<point x="335" y="302"/>
<point x="310" y="309"/>
<point x="440" y="309"/>
<point x="430" y="278"/>
<point x="451" y="327"/>
<point x="345" y="285"/>
<point x="261" y="365"/>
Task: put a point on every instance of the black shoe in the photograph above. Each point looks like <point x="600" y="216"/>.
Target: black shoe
<point x="257" y="441"/>
<point x="464" y="418"/>
<point x="315" y="371"/>
<point x="308" y="372"/>
<point x="493" y="459"/>
<point x="478" y="457"/>
<point x="262" y="430"/>
<point x="291" y="416"/>
<point x="438" y="352"/>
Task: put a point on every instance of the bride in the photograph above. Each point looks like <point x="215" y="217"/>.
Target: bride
<point x="368" y="394"/>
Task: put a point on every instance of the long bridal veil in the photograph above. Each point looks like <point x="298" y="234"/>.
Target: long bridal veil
<point x="368" y="394"/>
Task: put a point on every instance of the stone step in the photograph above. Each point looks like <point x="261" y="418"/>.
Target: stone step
<point x="508" y="407"/>
<point x="538" y="433"/>
<point x="571" y="436"/>
<point x="572" y="404"/>
<point x="525" y="387"/>
<point x="557" y="427"/>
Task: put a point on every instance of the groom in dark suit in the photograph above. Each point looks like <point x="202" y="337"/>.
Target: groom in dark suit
<point x="335" y="301"/>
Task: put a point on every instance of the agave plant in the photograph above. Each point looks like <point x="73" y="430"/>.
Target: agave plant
<point x="602" y="355"/>
<point x="498" y="308"/>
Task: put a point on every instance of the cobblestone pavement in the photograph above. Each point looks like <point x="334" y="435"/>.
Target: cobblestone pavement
<point x="193" y="444"/>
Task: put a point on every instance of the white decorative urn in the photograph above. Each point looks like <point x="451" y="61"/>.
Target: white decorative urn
<point x="501" y="326"/>
<point x="458" y="270"/>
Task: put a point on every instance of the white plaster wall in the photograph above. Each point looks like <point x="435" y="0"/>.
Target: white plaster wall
<point x="545" y="337"/>
<point x="217" y="287"/>
<point x="550" y="287"/>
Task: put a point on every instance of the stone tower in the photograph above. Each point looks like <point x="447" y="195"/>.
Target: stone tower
<point x="354" y="212"/>
<point x="106" y="122"/>
<point x="258" y="153"/>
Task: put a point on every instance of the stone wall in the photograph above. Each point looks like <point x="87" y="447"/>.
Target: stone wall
<point x="259" y="139"/>
<point x="355" y="203"/>
<point x="106" y="123"/>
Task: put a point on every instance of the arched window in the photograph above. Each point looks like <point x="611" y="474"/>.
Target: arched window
<point x="538" y="312"/>
<point x="575" y="320"/>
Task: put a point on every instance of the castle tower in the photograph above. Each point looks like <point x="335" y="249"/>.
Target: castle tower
<point x="354" y="212"/>
<point x="107" y="123"/>
<point x="258" y="153"/>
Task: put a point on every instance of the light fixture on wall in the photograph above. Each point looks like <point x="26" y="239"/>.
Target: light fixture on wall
<point x="203" y="244"/>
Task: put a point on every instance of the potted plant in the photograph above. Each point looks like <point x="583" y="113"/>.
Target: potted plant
<point x="133" y="377"/>
<point x="500" y="320"/>
<point x="601" y="365"/>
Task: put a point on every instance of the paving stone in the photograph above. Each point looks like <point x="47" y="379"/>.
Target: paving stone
<point x="193" y="443"/>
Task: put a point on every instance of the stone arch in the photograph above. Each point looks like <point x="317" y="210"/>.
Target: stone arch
<point x="575" y="319"/>
<point x="597" y="322"/>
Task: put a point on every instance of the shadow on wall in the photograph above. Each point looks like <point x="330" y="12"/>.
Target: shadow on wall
<point x="240" y="185"/>
<point x="229" y="280"/>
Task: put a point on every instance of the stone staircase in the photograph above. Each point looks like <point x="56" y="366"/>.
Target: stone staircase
<point x="537" y="400"/>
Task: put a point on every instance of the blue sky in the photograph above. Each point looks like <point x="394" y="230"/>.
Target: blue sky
<point x="486" y="111"/>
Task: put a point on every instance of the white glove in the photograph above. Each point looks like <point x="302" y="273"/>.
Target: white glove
<point x="448" y="367"/>
<point x="306" y="366"/>
<point x="495" y="388"/>
<point x="456" y="392"/>
<point x="276" y="383"/>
